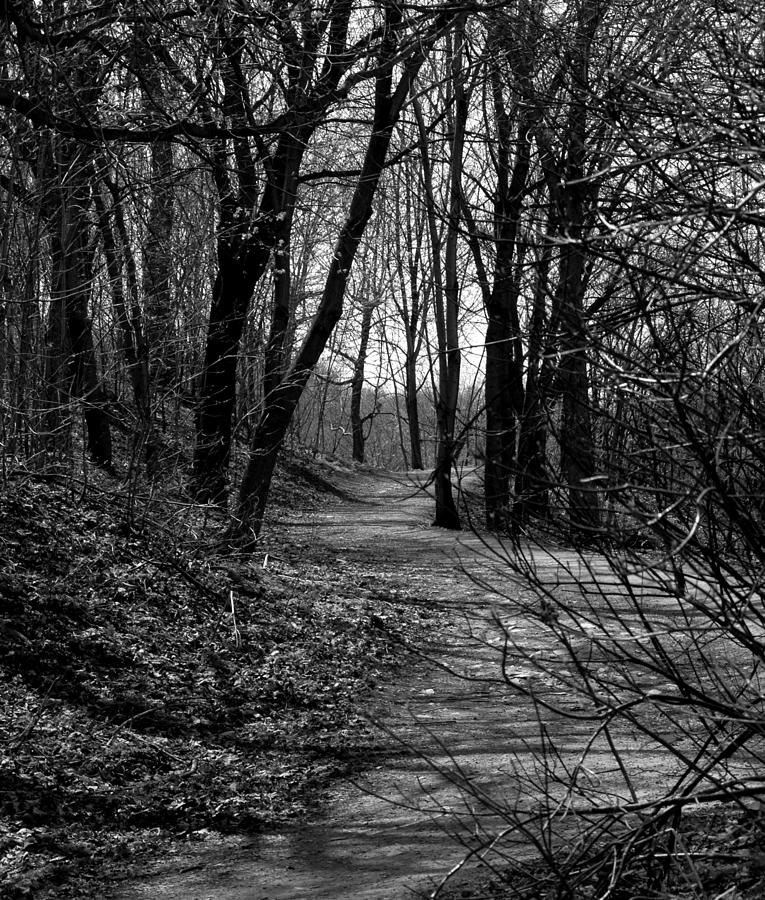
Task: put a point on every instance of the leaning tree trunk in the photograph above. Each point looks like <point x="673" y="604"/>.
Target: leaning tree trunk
<point x="248" y="232"/>
<point x="244" y="250"/>
<point x="241" y="263"/>
<point x="280" y="406"/>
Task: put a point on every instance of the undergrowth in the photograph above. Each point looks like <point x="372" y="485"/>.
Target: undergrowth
<point x="153" y="692"/>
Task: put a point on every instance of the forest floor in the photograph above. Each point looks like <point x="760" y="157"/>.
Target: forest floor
<point x="326" y="719"/>
<point x="156" y="694"/>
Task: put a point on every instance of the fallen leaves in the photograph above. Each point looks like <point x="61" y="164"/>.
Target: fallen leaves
<point x="152" y="692"/>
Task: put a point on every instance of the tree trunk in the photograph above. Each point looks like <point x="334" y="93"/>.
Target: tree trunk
<point x="131" y="338"/>
<point x="246" y="237"/>
<point x="29" y="329"/>
<point x="533" y="480"/>
<point x="157" y="272"/>
<point x="446" y="287"/>
<point x="244" y="250"/>
<point x="577" y="445"/>
<point x="413" y="412"/>
<point x="447" y="515"/>
<point x="130" y="335"/>
<point x="56" y="431"/>
<point x="504" y="386"/>
<point x="241" y="263"/>
<point x="504" y="393"/>
<point x="576" y="438"/>
<point x="357" y="384"/>
<point x="412" y="308"/>
<point x="72" y="278"/>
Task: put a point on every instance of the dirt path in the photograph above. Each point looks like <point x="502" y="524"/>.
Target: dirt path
<point x="395" y="832"/>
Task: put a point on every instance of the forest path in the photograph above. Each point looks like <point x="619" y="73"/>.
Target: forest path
<point x="398" y="830"/>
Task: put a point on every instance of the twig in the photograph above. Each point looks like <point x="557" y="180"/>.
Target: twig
<point x="27" y="731"/>
<point x="119" y="728"/>
<point x="157" y="747"/>
<point x="237" y="633"/>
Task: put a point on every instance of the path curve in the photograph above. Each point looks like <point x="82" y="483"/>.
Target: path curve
<point x="405" y="824"/>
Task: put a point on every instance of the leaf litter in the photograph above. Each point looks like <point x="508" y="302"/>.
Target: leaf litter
<point x="153" y="693"/>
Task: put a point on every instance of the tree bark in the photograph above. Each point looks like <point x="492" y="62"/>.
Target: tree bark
<point x="532" y="479"/>
<point x="413" y="413"/>
<point x="127" y="314"/>
<point x="576" y="439"/>
<point x="70" y="294"/>
<point x="241" y="263"/>
<point x="357" y="384"/>
<point x="504" y="386"/>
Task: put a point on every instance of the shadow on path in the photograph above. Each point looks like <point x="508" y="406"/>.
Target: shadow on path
<point x="406" y="823"/>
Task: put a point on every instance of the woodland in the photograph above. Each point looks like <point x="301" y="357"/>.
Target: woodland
<point x="246" y="244"/>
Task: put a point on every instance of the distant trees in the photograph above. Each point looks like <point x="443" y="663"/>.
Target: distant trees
<point x="411" y="292"/>
<point x="246" y="93"/>
<point x="388" y="99"/>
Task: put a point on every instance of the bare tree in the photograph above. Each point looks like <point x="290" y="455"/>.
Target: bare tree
<point x="446" y="276"/>
<point x="280" y="403"/>
<point x="411" y="298"/>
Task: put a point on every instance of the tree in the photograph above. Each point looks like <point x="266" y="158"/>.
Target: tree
<point x="411" y="298"/>
<point x="577" y="445"/>
<point x="446" y="278"/>
<point x="657" y="636"/>
<point x="510" y="46"/>
<point x="127" y="311"/>
<point x="72" y="362"/>
<point x="411" y="293"/>
<point x="359" y="420"/>
<point x="254" y="224"/>
<point x="281" y="401"/>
